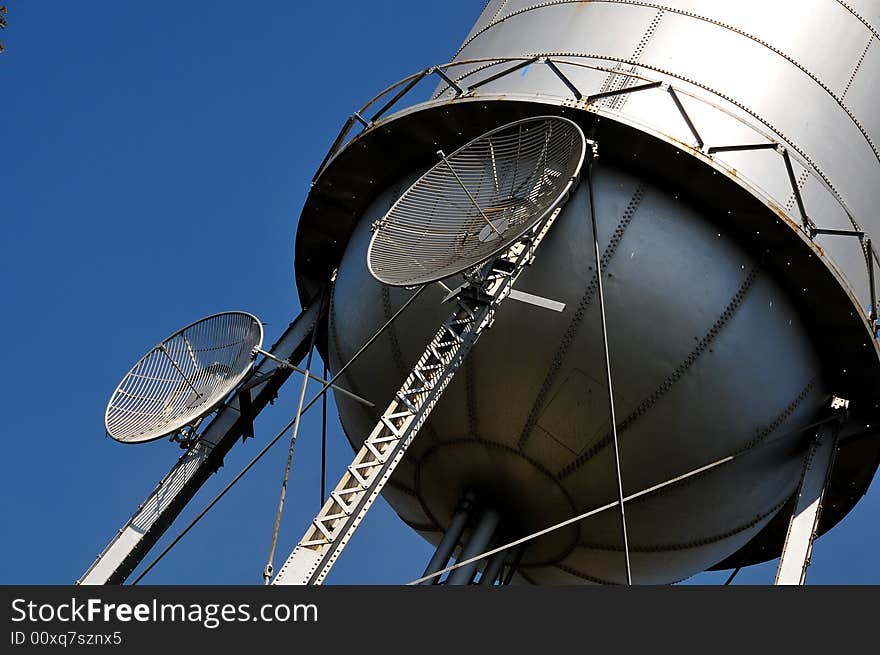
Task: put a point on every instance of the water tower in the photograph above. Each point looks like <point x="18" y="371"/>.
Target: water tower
<point x="601" y="310"/>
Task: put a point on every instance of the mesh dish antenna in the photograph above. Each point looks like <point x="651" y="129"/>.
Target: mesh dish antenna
<point x="184" y="378"/>
<point x="477" y="201"/>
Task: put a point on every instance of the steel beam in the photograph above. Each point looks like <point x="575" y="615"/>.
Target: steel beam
<point x="804" y="522"/>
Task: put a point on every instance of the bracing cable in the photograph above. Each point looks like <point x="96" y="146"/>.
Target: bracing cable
<point x="267" y="572"/>
<point x="598" y="510"/>
<point x="278" y="436"/>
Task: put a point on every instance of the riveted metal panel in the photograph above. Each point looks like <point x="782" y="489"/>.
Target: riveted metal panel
<point x="786" y="68"/>
<point x="864" y="10"/>
<point x="863" y="92"/>
<point x="709" y="318"/>
<point x="791" y="29"/>
<point x="782" y="95"/>
<point x="491" y="9"/>
<point x="571" y="26"/>
<point x="791" y="77"/>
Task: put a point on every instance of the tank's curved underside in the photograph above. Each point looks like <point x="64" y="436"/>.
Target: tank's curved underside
<point x="836" y="334"/>
<point x="699" y="331"/>
<point x="732" y="317"/>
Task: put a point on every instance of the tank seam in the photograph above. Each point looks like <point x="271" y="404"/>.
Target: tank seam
<point x="677" y="374"/>
<point x="695" y="543"/>
<point x="852" y="77"/>
<point x="681" y="12"/>
<point x="574" y="325"/>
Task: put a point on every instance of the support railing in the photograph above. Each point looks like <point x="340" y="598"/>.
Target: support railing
<point x="773" y="140"/>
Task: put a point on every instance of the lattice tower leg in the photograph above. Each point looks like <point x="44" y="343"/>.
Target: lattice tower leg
<point x="477" y="302"/>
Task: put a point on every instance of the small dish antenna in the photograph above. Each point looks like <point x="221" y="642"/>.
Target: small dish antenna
<point x="184" y="378"/>
<point x="477" y="201"/>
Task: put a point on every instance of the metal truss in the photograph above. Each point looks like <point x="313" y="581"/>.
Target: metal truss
<point x="555" y="63"/>
<point x="477" y="303"/>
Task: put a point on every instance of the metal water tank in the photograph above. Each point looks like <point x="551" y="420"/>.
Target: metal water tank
<point x="734" y="192"/>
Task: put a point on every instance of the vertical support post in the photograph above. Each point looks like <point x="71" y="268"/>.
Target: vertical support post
<point x="346" y="128"/>
<point x="493" y="568"/>
<point x="795" y="558"/>
<point x="598" y="260"/>
<point x="388" y="105"/>
<point x="447" y="545"/>
<point x="516" y="556"/>
<point x="452" y="83"/>
<point x="478" y="543"/>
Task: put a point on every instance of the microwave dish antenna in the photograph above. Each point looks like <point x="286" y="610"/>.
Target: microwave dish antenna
<point x="477" y="201"/>
<point x="184" y="378"/>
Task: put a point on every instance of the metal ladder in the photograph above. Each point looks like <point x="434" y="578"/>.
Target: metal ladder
<point x="477" y="302"/>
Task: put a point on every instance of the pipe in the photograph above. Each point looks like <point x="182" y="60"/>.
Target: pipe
<point x="516" y="558"/>
<point x="450" y="538"/>
<point x="479" y="541"/>
<point x="493" y="568"/>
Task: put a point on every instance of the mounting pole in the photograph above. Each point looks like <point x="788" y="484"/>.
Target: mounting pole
<point x="798" y="547"/>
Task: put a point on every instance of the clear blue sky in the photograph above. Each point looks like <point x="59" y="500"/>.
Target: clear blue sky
<point x="154" y="158"/>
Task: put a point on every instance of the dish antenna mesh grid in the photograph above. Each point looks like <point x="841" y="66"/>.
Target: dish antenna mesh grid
<point x="183" y="378"/>
<point x="477" y="201"/>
